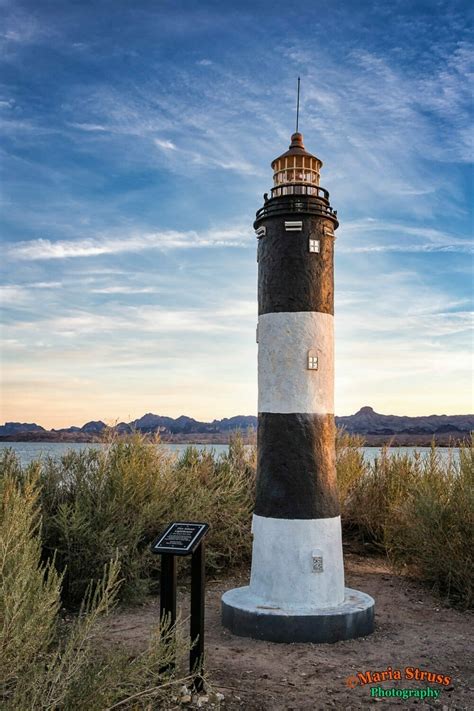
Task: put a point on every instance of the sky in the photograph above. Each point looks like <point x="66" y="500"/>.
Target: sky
<point x="136" y="146"/>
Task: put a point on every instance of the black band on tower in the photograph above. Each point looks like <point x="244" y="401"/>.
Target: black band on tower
<point x="296" y="466"/>
<point x="290" y="278"/>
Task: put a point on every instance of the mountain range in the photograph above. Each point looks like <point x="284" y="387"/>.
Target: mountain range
<point x="365" y="422"/>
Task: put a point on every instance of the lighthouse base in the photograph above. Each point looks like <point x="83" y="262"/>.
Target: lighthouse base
<point x="246" y="615"/>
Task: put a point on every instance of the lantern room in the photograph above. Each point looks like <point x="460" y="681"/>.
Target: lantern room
<point x="296" y="172"/>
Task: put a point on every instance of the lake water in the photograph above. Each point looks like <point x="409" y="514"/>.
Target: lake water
<point x="28" y="451"/>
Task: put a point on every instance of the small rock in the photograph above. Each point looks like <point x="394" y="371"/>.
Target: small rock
<point x="219" y="696"/>
<point x="186" y="699"/>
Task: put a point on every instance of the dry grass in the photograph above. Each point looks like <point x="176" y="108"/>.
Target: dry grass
<point x="46" y="664"/>
<point x="110" y="504"/>
<point x="78" y="531"/>
<point x="98" y="505"/>
<point x="418" y="509"/>
<point x="431" y="530"/>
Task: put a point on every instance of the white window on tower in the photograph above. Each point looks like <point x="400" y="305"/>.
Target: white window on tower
<point x="293" y="225"/>
<point x="312" y="360"/>
<point x="314" y="245"/>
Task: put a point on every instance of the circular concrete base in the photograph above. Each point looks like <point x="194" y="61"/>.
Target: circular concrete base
<point x="247" y="616"/>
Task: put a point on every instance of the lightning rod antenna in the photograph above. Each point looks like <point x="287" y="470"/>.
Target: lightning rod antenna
<point x="298" y="106"/>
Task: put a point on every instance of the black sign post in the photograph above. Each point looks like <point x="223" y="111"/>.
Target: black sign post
<point x="184" y="538"/>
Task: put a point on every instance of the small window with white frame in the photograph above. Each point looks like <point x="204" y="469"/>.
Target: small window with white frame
<point x="312" y="360"/>
<point x="314" y="245"/>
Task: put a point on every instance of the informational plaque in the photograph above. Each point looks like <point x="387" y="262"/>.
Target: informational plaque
<point x="180" y="538"/>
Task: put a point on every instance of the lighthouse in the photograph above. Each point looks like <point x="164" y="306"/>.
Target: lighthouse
<point x="296" y="591"/>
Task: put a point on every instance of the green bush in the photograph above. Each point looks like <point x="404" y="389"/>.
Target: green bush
<point x="101" y="504"/>
<point x="431" y="530"/>
<point x="351" y="467"/>
<point x="111" y="503"/>
<point x="46" y="664"/>
<point x="378" y="491"/>
<point x="418" y="509"/>
<point x="219" y="491"/>
<point x="30" y="592"/>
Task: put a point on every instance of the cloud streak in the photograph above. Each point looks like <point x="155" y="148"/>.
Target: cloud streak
<point x="43" y="249"/>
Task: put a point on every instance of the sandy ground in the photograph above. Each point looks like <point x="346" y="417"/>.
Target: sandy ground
<point x="413" y="629"/>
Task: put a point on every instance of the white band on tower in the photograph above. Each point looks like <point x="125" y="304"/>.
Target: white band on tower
<point x="285" y="384"/>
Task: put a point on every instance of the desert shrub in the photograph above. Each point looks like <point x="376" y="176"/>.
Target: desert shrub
<point x="350" y="466"/>
<point x="431" y="530"/>
<point x="219" y="491"/>
<point x="29" y="592"/>
<point x="103" y="505"/>
<point x="378" y="491"/>
<point x="100" y="504"/>
<point x="47" y="664"/>
<point x="111" y="503"/>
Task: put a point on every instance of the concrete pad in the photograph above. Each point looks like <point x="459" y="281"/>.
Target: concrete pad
<point x="247" y="615"/>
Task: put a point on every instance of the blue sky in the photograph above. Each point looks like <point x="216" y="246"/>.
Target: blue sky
<point x="137" y="141"/>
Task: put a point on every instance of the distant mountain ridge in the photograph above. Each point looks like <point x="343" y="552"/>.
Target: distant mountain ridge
<point x="12" y="428"/>
<point x="364" y="422"/>
<point x="367" y="421"/>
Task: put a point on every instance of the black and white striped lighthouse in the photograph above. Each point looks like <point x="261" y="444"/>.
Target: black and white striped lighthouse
<point x="296" y="591"/>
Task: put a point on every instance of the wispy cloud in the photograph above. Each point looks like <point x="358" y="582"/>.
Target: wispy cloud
<point x="40" y="249"/>
<point x="45" y="285"/>
<point x="125" y="290"/>
<point x="19" y="295"/>
<point x="166" y="145"/>
<point x="90" y="127"/>
<point x="413" y="248"/>
<point x="12" y="295"/>
<point x="376" y="235"/>
<point x="229" y="317"/>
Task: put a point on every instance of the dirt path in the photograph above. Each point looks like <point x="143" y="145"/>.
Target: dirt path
<point x="412" y="630"/>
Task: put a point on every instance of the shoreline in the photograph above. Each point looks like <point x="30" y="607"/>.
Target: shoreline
<point x="400" y="440"/>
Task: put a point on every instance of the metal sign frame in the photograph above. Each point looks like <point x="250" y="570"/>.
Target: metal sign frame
<point x="182" y="538"/>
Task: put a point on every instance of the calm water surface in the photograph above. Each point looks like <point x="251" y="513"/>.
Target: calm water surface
<point x="28" y="451"/>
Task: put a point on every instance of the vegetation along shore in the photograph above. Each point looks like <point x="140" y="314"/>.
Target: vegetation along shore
<point x="75" y="537"/>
